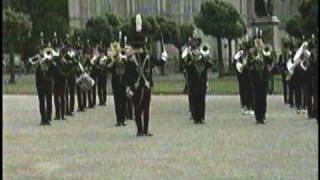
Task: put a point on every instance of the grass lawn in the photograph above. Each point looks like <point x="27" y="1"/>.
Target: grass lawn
<point x="228" y="146"/>
<point x="163" y="85"/>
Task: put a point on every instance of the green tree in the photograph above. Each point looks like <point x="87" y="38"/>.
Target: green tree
<point x="16" y="29"/>
<point x="183" y="33"/>
<point x="306" y="23"/>
<point x="233" y="32"/>
<point x="99" y="29"/>
<point x="213" y="19"/>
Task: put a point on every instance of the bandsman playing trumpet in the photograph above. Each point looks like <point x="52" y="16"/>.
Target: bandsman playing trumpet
<point x="43" y="78"/>
<point x="260" y="69"/>
<point x="116" y="65"/>
<point x="197" y="62"/>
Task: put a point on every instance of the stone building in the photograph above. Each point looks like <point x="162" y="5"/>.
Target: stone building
<point x="179" y="10"/>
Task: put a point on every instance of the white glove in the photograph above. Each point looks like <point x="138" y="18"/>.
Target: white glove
<point x="129" y="92"/>
<point x="164" y="56"/>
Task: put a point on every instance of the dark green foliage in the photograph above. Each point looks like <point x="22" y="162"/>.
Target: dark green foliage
<point x="306" y="23"/>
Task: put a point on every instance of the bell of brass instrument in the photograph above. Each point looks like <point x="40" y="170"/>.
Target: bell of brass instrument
<point x="204" y="50"/>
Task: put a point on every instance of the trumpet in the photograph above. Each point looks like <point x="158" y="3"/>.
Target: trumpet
<point x="35" y="59"/>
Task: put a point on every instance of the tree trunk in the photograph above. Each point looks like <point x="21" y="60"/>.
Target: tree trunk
<point x="11" y="64"/>
<point x="230" y="53"/>
<point x="220" y="61"/>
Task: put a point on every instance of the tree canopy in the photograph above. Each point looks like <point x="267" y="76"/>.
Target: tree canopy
<point x="306" y="23"/>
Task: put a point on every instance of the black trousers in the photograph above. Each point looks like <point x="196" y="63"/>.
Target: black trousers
<point x="70" y="94"/>
<point x="198" y="95"/>
<point x="45" y="103"/>
<point x="93" y="91"/>
<point x="291" y="90"/>
<point x="129" y="108"/>
<point x="102" y="88"/>
<point x="284" y="87"/>
<point x="141" y="101"/>
<point x="260" y="99"/>
<point x="120" y="100"/>
<point x="81" y="98"/>
<point x="241" y="90"/>
<point x="59" y="98"/>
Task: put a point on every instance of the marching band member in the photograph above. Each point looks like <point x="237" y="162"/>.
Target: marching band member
<point x="282" y="64"/>
<point x="197" y="63"/>
<point x="94" y="63"/>
<point x="102" y="77"/>
<point x="242" y="72"/>
<point x="71" y="65"/>
<point x="138" y="78"/>
<point x="259" y="74"/>
<point x="79" y="58"/>
<point x="43" y="78"/>
<point x="59" y="85"/>
<point x="88" y="68"/>
<point x="116" y="66"/>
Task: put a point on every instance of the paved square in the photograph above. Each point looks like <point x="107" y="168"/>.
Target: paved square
<point x="228" y="146"/>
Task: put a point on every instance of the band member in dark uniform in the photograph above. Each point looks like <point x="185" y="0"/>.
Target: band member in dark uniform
<point x="81" y="97"/>
<point x="261" y="67"/>
<point x="87" y="68"/>
<point x="94" y="68"/>
<point x="242" y="72"/>
<point x="43" y="83"/>
<point x="102" y="78"/>
<point x="316" y="81"/>
<point x="282" y="64"/>
<point x="116" y="65"/>
<point x="71" y="65"/>
<point x="197" y="63"/>
<point x="291" y="81"/>
<point x="59" y="84"/>
<point x="138" y="78"/>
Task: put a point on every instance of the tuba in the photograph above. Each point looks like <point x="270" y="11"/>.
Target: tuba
<point x="301" y="56"/>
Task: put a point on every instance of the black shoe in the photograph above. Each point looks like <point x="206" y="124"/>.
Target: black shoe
<point x="63" y="118"/>
<point x="123" y="124"/>
<point x="202" y="122"/>
<point x="140" y="134"/>
<point x="57" y="118"/>
<point x="196" y="122"/>
<point x="45" y="124"/>
<point x="148" y="134"/>
<point x="69" y="114"/>
<point x="118" y="124"/>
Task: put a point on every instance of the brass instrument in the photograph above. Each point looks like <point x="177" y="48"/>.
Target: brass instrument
<point x="301" y="56"/>
<point x="239" y="65"/>
<point x="35" y="59"/>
